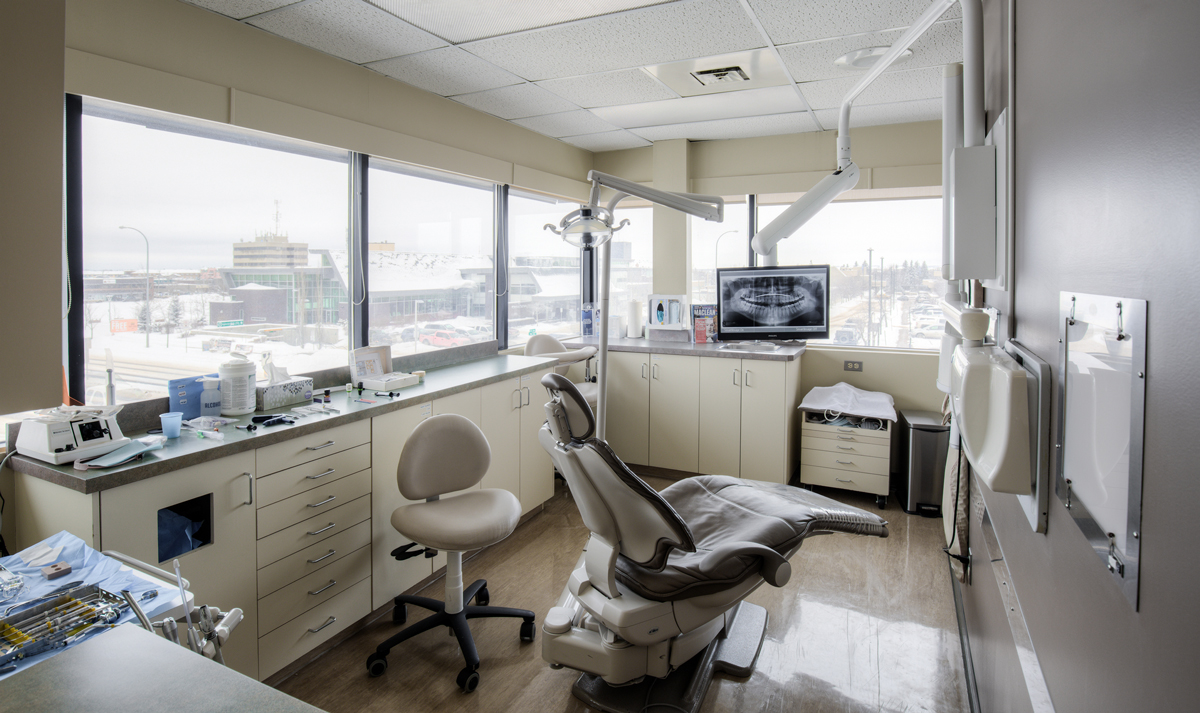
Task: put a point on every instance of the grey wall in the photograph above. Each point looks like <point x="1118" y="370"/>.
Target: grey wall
<point x="1107" y="115"/>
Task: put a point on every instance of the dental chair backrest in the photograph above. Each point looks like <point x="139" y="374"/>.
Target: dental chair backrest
<point x="624" y="514"/>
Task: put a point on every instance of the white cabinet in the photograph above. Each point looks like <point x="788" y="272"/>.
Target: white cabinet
<point x="389" y="577"/>
<point x="628" y="418"/>
<point x="222" y="572"/>
<point x="748" y="420"/>
<point x="537" y="470"/>
<point x="846" y="457"/>
<point x="500" y="421"/>
<point x="674" y="412"/>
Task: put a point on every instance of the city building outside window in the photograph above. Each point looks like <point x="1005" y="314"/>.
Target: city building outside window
<point x="544" y="285"/>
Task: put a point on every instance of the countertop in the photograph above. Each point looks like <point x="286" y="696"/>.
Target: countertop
<point x="784" y="353"/>
<point x="188" y="450"/>
<point x="129" y="669"/>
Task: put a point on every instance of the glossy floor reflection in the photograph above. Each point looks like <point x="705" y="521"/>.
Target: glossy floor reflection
<point x="865" y="625"/>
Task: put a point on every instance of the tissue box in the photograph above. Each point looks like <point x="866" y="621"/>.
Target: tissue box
<point x="297" y="389"/>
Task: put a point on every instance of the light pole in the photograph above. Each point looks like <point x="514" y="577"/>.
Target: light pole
<point x="126" y="227"/>
<point x="870" y="298"/>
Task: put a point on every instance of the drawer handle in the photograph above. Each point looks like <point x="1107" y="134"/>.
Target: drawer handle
<point x="845" y="438"/>
<point x="329" y="499"/>
<point x="644" y="367"/>
<point x="528" y="396"/>
<point x="317" y="448"/>
<point x="331" y="554"/>
<point x="328" y="621"/>
<point x="330" y="526"/>
<point x="250" y="500"/>
<point x="844" y="462"/>
<point x="846" y="448"/>
<point x="747" y="379"/>
<point x="327" y="586"/>
<point x="735" y="377"/>
<point x="654" y="372"/>
<point x="841" y="480"/>
<point x="322" y="475"/>
<point x="845" y="430"/>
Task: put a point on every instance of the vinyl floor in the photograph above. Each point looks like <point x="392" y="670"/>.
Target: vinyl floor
<point x="865" y="624"/>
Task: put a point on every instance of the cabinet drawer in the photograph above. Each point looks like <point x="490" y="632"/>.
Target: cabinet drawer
<point x="313" y="628"/>
<point x="302" y="449"/>
<point x="292" y="510"/>
<point x="314" y="474"/>
<point x="862" y="482"/>
<point x="858" y="435"/>
<point x="279" y="607"/>
<point x="315" y="529"/>
<point x="840" y="461"/>
<point x="850" y="448"/>
<point x="312" y="558"/>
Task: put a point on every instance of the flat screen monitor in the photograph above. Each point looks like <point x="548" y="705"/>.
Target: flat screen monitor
<point x="773" y="303"/>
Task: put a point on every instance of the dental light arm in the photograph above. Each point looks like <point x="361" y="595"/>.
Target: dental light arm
<point x="846" y="175"/>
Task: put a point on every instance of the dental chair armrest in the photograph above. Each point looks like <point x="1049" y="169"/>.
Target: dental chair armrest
<point x="573" y="356"/>
<point x="775" y="568"/>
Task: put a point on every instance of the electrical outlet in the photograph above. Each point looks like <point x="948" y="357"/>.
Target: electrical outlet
<point x="853" y="366"/>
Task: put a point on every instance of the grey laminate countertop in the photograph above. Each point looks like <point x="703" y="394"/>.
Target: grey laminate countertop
<point x="188" y="450"/>
<point x="784" y="353"/>
<point x="129" y="669"/>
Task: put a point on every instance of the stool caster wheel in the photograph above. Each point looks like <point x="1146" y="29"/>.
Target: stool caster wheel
<point x="881" y="501"/>
<point x="399" y="613"/>
<point x="376" y="665"/>
<point x="482" y="597"/>
<point x="468" y="680"/>
<point x="527" y="631"/>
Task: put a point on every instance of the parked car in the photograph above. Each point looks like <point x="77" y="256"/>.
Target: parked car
<point x="431" y="327"/>
<point x="443" y="338"/>
<point x="847" y="335"/>
<point x="927" y="331"/>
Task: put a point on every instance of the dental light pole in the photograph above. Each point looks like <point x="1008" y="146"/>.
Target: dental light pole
<point x="126" y="227"/>
<point x="592" y="227"/>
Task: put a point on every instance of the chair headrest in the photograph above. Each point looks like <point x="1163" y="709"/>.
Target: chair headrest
<point x="567" y="414"/>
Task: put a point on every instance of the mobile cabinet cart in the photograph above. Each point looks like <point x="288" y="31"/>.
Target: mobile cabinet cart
<point x="846" y="456"/>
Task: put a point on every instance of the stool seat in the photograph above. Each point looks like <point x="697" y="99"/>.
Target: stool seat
<point x="458" y="523"/>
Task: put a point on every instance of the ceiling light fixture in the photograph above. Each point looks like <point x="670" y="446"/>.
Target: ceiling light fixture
<point x="867" y="57"/>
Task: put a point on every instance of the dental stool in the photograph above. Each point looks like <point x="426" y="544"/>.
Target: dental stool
<point x="655" y="603"/>
<point x="443" y="455"/>
<point x="544" y="345"/>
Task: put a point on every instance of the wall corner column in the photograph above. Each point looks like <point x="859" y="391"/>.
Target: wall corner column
<point x="672" y="248"/>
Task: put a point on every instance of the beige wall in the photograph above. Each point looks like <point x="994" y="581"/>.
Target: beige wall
<point x="907" y="375"/>
<point x="31" y="229"/>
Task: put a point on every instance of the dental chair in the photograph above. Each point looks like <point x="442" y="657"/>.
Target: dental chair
<point x="446" y="454"/>
<point x="656" y="599"/>
<point x="544" y="345"/>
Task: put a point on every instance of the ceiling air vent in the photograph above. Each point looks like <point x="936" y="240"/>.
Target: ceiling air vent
<point x="725" y="75"/>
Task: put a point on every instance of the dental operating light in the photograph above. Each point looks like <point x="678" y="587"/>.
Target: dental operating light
<point x="846" y="175"/>
<point x="592" y="227"/>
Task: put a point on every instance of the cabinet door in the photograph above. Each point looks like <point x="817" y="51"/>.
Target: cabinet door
<point x="389" y="433"/>
<point x="628" y="418"/>
<point x="674" y="411"/>
<point x="537" y="470"/>
<point x="764" y="421"/>
<point x="720" y="416"/>
<point x="500" y="419"/>
<point x="223" y="572"/>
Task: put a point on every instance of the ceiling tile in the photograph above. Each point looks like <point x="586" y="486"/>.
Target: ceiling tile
<point x="626" y="86"/>
<point x="516" y="102"/>
<point x="465" y="20"/>
<point x="751" y="102"/>
<point x="880" y="114"/>
<point x="811" y="61"/>
<point x="740" y="128"/>
<point x="349" y="29"/>
<point x="901" y="85"/>
<point x="568" y="123"/>
<point x="663" y="33"/>
<point x="788" y="21"/>
<point x="239" y="9"/>
<point x="446" y="71"/>
<point x="607" y="141"/>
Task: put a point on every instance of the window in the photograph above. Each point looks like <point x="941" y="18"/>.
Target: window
<point x="632" y="275"/>
<point x="232" y="247"/>
<point x="725" y="244"/>
<point x="884" y="259"/>
<point x="430" y="275"/>
<point x="543" y="272"/>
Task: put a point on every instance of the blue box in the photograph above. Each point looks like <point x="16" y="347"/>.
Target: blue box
<point x="184" y="395"/>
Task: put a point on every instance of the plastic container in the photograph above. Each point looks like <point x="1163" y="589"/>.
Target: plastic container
<point x="210" y="397"/>
<point x="237" y="386"/>
<point x="171" y="423"/>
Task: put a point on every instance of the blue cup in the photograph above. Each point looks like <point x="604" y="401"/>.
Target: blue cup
<point x="171" y="423"/>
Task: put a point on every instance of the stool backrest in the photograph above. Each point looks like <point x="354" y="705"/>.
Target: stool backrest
<point x="540" y="344"/>
<point x="444" y="454"/>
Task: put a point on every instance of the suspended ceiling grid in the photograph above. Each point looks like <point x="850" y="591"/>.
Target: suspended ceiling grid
<point x="615" y="74"/>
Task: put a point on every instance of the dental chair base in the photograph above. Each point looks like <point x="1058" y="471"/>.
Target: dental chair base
<point x="734" y="652"/>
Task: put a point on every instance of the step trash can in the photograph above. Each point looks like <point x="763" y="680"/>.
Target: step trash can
<point x="924" y="440"/>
